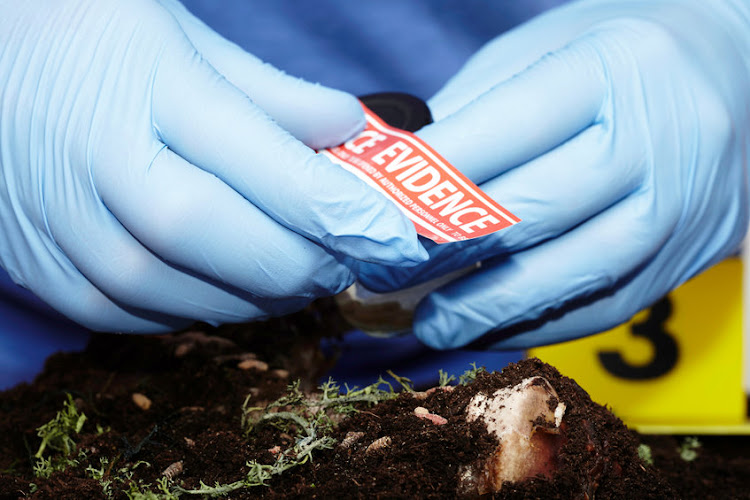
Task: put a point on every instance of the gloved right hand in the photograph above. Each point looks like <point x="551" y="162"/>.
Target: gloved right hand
<point x="618" y="131"/>
<point x="144" y="184"/>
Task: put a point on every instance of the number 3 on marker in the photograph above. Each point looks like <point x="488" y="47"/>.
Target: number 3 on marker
<point x="666" y="351"/>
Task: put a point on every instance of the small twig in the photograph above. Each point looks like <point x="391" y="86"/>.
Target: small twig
<point x="370" y="413"/>
<point x="107" y="382"/>
<point x="130" y="452"/>
<point x="406" y="383"/>
<point x="111" y="465"/>
<point x="29" y="451"/>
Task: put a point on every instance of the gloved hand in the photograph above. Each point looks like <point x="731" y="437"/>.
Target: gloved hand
<point x="618" y="131"/>
<point x="154" y="173"/>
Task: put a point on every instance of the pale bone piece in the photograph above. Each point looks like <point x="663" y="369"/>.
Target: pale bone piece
<point x="141" y="401"/>
<point x="420" y="410"/>
<point x="183" y="349"/>
<point x="424" y="413"/>
<point x="173" y="470"/>
<point x="378" y="444"/>
<point x="188" y="340"/>
<point x="351" y="438"/>
<point x="235" y="357"/>
<point x="253" y="364"/>
<point x="526" y="421"/>
<point x="424" y="394"/>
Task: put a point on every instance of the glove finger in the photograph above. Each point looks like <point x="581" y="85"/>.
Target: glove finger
<point x="316" y="115"/>
<point x="213" y="125"/>
<point x="552" y="193"/>
<point x="598" y="316"/>
<point x="88" y="306"/>
<point x="533" y="112"/>
<point x="119" y="266"/>
<point x="507" y="55"/>
<point x="78" y="299"/>
<point x="193" y="220"/>
<point x="527" y="286"/>
<point x="602" y="314"/>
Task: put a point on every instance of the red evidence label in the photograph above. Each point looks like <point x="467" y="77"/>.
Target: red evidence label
<point x="442" y="203"/>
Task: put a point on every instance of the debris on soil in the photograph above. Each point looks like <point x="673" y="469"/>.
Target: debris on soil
<point x="219" y="429"/>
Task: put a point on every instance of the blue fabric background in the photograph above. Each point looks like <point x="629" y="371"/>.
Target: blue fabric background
<point x="367" y="46"/>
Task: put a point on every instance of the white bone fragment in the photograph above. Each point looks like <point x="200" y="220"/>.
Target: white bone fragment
<point x="526" y="421"/>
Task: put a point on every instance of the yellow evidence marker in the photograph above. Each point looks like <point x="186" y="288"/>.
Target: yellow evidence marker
<point x="675" y="367"/>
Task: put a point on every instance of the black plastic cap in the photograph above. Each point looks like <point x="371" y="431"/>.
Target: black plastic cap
<point x="399" y="110"/>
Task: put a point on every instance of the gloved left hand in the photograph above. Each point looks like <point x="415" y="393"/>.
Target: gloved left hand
<point x="153" y="174"/>
<point x="618" y="131"/>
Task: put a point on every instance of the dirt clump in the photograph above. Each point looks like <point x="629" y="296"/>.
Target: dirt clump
<point x="598" y="457"/>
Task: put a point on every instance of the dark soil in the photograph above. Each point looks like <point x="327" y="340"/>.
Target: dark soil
<point x="197" y="390"/>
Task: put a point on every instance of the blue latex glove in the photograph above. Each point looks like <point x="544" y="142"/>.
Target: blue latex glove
<point x="154" y="173"/>
<point x="619" y="131"/>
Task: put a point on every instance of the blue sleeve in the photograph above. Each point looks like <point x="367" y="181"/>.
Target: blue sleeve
<point x="30" y="331"/>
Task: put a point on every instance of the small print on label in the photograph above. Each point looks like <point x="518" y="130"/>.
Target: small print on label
<point x="442" y="203"/>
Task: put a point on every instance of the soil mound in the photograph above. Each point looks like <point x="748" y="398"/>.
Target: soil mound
<point x="218" y="412"/>
<point x="598" y="457"/>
